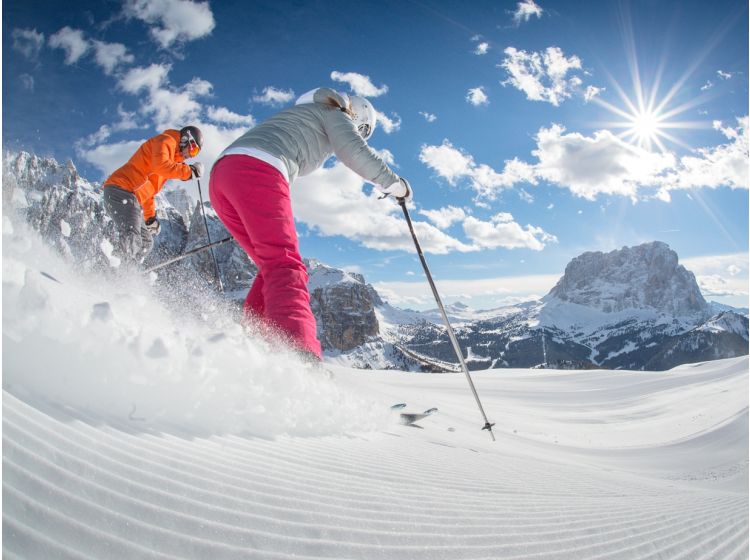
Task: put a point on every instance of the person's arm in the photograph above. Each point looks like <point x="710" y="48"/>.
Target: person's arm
<point x="163" y="162"/>
<point x="149" y="209"/>
<point x="351" y="149"/>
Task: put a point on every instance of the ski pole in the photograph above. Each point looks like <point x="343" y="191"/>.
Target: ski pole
<point x="191" y="252"/>
<point x="208" y="236"/>
<point x="451" y="334"/>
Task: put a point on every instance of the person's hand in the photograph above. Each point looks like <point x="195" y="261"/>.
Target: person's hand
<point x="153" y="226"/>
<point x="197" y="168"/>
<point x="401" y="189"/>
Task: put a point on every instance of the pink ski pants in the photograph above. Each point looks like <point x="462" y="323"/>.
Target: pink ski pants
<point x="252" y="199"/>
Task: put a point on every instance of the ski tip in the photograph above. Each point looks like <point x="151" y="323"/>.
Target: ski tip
<point x="398" y="406"/>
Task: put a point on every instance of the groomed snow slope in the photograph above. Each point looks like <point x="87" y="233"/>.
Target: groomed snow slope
<point x="130" y="431"/>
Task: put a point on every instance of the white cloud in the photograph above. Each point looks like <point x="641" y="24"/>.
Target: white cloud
<point x="476" y="96"/>
<point x="444" y="217"/>
<point x="224" y="115"/>
<point x="72" y="42"/>
<point x="429" y="117"/>
<point x="525" y="10"/>
<point x="359" y="84"/>
<point x="331" y="201"/>
<point x="168" y="106"/>
<point x="503" y="231"/>
<point x="453" y="165"/>
<point x="708" y="85"/>
<point x="199" y="87"/>
<point x="172" y="108"/>
<point x="27" y="81"/>
<point x="524" y="195"/>
<point x="274" y="96"/>
<point x="127" y="121"/>
<point x="542" y="76"/>
<point x="590" y="166"/>
<point x="28" y="42"/>
<point x="724" y="165"/>
<point x="722" y="277"/>
<point x="108" y="157"/>
<point x="145" y="77"/>
<point x="602" y="164"/>
<point x="173" y="20"/>
<point x="111" y="55"/>
<point x="724" y="75"/>
<point x="592" y="92"/>
<point x="482" y="48"/>
<point x="388" y="124"/>
<point x="485" y="293"/>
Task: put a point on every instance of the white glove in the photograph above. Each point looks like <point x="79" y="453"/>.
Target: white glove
<point x="399" y="189"/>
<point x="197" y="168"/>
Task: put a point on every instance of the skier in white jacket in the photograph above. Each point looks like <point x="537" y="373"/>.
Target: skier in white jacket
<point x="249" y="189"/>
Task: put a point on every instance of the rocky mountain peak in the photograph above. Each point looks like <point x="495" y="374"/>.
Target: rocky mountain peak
<point x="646" y="276"/>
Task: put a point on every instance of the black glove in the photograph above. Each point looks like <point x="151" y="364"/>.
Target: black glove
<point x="153" y="226"/>
<point x="197" y="168"/>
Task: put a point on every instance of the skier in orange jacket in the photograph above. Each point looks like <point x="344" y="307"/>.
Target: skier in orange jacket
<point x="129" y="192"/>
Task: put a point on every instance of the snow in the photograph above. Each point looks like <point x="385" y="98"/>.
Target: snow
<point x="723" y="323"/>
<point x="134" y="430"/>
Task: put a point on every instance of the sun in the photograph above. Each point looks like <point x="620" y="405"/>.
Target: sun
<point x="645" y="128"/>
<point x="646" y="119"/>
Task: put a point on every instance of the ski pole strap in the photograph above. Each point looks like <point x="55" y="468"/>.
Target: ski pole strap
<point x="187" y="254"/>
<point x="449" y="329"/>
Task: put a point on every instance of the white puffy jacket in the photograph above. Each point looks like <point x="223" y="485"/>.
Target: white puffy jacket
<point x="303" y="137"/>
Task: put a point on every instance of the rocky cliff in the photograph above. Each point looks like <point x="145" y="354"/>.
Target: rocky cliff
<point x="647" y="276"/>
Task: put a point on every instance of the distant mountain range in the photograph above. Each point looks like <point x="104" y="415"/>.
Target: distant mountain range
<point x="634" y="308"/>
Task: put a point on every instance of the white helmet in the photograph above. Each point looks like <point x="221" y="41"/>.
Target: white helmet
<point x="363" y="115"/>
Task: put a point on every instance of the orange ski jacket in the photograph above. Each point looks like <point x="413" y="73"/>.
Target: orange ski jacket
<point x="157" y="160"/>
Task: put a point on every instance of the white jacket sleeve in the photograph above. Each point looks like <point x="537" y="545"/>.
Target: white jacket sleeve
<point x="351" y="149"/>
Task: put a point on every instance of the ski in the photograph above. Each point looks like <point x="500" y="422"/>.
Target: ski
<point x="409" y="418"/>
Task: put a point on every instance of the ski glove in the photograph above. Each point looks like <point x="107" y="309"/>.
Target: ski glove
<point x="400" y="189"/>
<point x="197" y="168"/>
<point x="153" y="226"/>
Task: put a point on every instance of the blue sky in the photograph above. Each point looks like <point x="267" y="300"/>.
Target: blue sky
<point x="531" y="131"/>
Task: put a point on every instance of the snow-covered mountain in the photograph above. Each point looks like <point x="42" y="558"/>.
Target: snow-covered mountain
<point x="644" y="277"/>
<point x="634" y="308"/>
